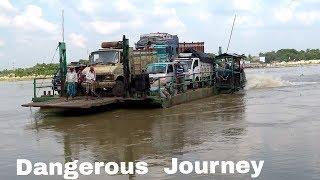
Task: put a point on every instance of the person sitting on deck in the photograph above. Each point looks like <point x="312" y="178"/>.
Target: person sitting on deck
<point x="71" y="79"/>
<point x="90" y="81"/>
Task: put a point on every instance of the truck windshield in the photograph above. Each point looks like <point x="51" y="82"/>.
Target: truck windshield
<point x="105" y="57"/>
<point x="156" y="68"/>
<point x="186" y="64"/>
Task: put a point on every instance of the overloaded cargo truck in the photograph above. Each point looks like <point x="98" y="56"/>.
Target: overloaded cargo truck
<point x="165" y="44"/>
<point x="117" y="67"/>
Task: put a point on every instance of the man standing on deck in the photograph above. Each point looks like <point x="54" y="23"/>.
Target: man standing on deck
<point x="179" y="76"/>
<point x="90" y="80"/>
<point x="81" y="78"/>
<point x="71" y="79"/>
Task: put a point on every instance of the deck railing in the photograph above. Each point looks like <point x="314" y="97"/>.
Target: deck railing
<point x="173" y="85"/>
<point x="43" y="89"/>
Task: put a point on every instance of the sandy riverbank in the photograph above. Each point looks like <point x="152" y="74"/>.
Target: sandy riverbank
<point x="23" y="78"/>
<point x="283" y="64"/>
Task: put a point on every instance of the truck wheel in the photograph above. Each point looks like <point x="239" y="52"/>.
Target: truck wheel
<point x="118" y="89"/>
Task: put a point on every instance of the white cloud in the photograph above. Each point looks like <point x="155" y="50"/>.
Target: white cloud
<point x="171" y="20"/>
<point x="7" y="6"/>
<point x="4" y="21"/>
<point x="248" y="21"/>
<point x="124" y="5"/>
<point x="161" y="11"/>
<point x="286" y="12"/>
<point x="104" y="27"/>
<point x="31" y="20"/>
<point x="189" y="2"/>
<point x="78" y="40"/>
<point x="89" y="6"/>
<point x="247" y="5"/>
<point x="175" y="24"/>
<point x="51" y="3"/>
<point x="291" y="12"/>
<point x="1" y="43"/>
<point x="308" y="18"/>
<point x="283" y="15"/>
<point x="203" y="15"/>
<point x="136" y="22"/>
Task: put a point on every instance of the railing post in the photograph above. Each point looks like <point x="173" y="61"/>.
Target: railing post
<point x="185" y="86"/>
<point x="159" y="89"/>
<point x="172" y="87"/>
<point x="193" y="82"/>
<point x="201" y="79"/>
<point x="210" y="79"/>
<point x="34" y="88"/>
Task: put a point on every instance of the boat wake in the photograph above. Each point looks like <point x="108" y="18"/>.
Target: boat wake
<point x="265" y="81"/>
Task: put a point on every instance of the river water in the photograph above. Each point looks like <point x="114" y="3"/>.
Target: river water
<point x="276" y="119"/>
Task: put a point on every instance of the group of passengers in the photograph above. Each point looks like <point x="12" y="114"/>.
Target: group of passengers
<point x="225" y="68"/>
<point x="75" y="80"/>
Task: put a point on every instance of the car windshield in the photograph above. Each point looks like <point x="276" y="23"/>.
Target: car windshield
<point x="105" y="57"/>
<point x="156" y="68"/>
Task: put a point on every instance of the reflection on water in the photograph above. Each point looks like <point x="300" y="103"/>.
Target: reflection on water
<point x="279" y="125"/>
<point x="129" y="135"/>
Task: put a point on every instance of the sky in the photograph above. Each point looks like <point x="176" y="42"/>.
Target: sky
<point x="31" y="29"/>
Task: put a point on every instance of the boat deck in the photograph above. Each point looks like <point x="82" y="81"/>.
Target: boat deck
<point x="76" y="103"/>
<point x="84" y="103"/>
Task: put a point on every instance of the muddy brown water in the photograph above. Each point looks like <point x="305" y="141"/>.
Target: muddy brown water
<point x="276" y="119"/>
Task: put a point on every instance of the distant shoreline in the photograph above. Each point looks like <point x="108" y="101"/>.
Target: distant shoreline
<point x="282" y="64"/>
<point x="23" y="78"/>
<point x="248" y="66"/>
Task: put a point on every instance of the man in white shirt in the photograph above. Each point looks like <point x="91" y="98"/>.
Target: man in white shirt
<point x="71" y="79"/>
<point x="90" y="80"/>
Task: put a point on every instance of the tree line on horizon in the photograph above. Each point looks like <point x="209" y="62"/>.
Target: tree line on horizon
<point x="290" y="55"/>
<point x="38" y="69"/>
<point x="272" y="56"/>
<point x="42" y="69"/>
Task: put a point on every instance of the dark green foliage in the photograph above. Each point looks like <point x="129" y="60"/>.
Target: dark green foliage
<point x="291" y="55"/>
<point x="39" y="69"/>
<point x="84" y="62"/>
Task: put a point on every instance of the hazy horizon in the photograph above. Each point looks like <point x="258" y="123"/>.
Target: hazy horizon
<point x="30" y="30"/>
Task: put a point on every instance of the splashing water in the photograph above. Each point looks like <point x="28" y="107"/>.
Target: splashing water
<point x="265" y="81"/>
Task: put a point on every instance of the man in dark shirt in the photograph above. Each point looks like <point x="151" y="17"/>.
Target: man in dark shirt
<point x="179" y="76"/>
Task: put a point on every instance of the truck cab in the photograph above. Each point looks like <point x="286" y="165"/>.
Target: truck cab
<point x="192" y="66"/>
<point x="108" y="67"/>
<point x="161" y="71"/>
<point x="109" y="64"/>
<point x="199" y="67"/>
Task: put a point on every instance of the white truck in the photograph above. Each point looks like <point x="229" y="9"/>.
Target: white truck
<point x="164" y="72"/>
<point x="198" y="69"/>
<point x="162" y="77"/>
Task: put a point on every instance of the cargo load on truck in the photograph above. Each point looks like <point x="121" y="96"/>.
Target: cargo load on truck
<point x="165" y="44"/>
<point x="197" y="46"/>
